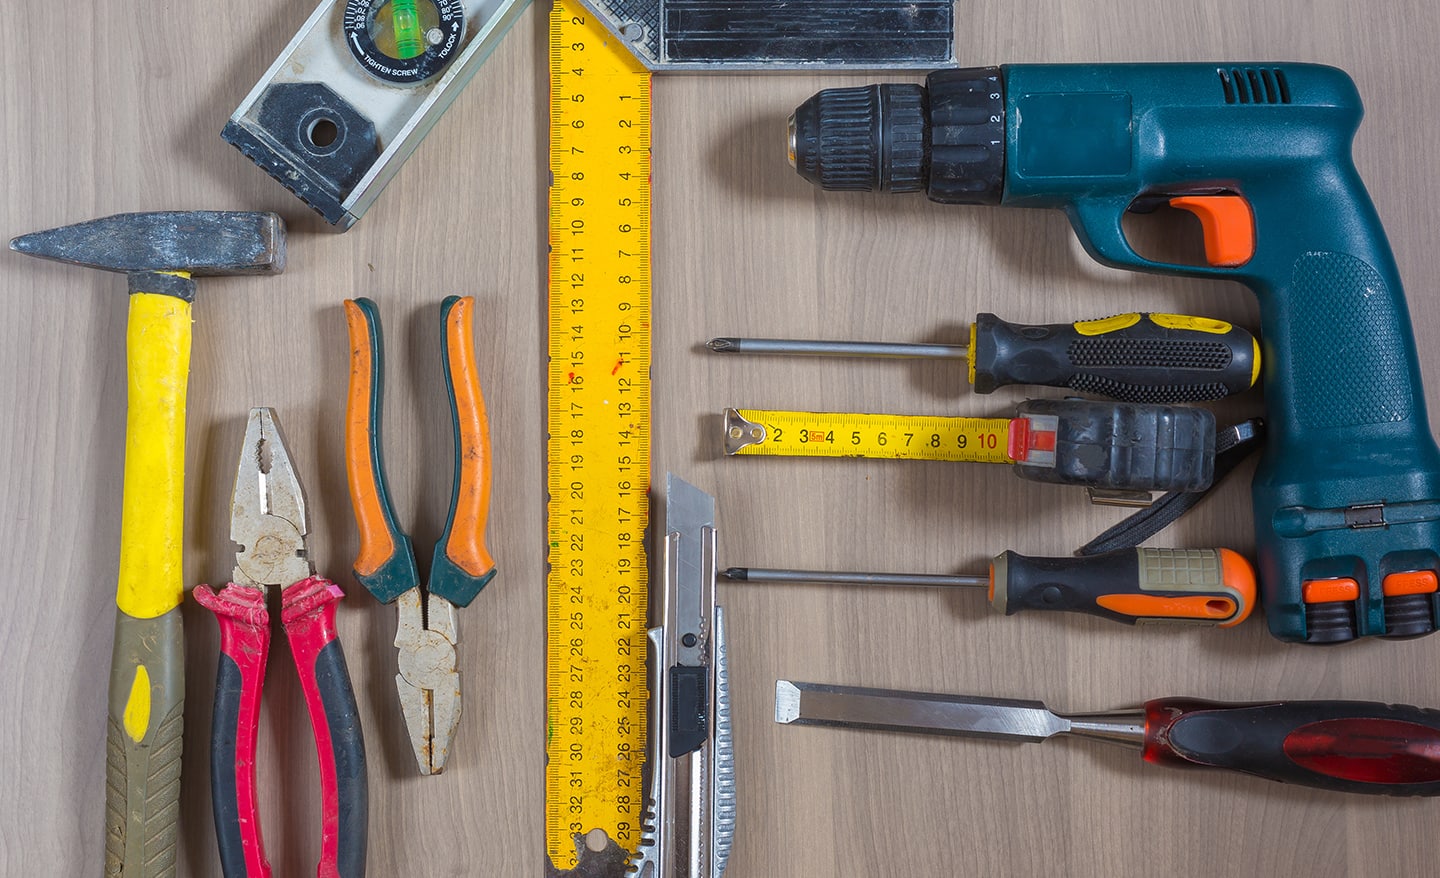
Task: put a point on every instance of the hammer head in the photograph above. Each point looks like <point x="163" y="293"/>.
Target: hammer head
<point x="201" y="242"/>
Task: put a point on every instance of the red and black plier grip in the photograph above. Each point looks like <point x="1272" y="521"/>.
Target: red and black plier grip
<point x="308" y="613"/>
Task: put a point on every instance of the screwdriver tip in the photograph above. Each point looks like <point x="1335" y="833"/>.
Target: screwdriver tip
<point x="723" y="345"/>
<point x="739" y="574"/>
<point x="787" y="701"/>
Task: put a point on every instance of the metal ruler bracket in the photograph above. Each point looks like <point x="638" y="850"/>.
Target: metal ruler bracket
<point x="783" y="34"/>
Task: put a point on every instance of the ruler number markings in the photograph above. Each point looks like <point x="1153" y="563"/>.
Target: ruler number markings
<point x="598" y="445"/>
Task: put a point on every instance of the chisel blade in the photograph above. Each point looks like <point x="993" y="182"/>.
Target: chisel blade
<point x="892" y="710"/>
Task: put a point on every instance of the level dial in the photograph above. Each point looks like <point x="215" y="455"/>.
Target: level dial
<point x="405" y="42"/>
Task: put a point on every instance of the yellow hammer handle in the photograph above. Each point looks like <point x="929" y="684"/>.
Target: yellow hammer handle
<point x="152" y="523"/>
<point x="147" y="671"/>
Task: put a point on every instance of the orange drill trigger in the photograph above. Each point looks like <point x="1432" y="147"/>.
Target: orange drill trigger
<point x="1229" y="226"/>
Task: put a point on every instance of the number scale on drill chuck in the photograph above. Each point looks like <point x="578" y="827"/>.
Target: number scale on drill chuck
<point x="598" y="441"/>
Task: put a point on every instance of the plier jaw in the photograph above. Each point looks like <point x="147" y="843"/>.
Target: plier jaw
<point x="429" y="681"/>
<point x="267" y="509"/>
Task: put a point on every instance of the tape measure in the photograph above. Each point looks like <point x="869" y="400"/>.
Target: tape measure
<point x="598" y="442"/>
<point x="898" y="437"/>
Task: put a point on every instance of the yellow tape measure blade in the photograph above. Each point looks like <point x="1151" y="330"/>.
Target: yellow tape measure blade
<point x="879" y="436"/>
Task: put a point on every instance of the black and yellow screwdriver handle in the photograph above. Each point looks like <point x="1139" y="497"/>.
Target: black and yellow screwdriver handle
<point x="1134" y="357"/>
<point x="1195" y="586"/>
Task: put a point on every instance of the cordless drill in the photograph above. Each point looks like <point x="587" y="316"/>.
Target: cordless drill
<point x="1347" y="493"/>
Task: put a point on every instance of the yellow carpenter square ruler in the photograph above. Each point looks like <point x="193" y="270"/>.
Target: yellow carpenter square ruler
<point x="899" y="437"/>
<point x="598" y="443"/>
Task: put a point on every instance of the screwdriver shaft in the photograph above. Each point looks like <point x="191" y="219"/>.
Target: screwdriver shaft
<point x="809" y="348"/>
<point x="850" y="577"/>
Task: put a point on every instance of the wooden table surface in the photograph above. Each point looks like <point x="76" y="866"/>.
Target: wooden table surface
<point x="108" y="107"/>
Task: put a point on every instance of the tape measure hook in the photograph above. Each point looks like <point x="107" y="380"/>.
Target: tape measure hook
<point x="741" y="433"/>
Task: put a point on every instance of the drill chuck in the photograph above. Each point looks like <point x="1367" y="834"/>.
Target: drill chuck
<point x="945" y="138"/>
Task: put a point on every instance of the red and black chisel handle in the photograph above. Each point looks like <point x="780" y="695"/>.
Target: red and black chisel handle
<point x="1347" y="746"/>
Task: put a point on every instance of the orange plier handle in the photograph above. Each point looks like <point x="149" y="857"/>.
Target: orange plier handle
<point x="385" y="564"/>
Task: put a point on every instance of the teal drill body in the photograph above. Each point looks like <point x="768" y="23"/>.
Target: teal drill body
<point x="1349" y="484"/>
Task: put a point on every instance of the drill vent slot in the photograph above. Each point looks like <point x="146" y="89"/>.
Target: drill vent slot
<point x="1254" y="85"/>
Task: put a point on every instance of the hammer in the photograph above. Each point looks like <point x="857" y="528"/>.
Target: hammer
<point x="159" y="252"/>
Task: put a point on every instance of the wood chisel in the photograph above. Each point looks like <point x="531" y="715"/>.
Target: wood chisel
<point x="1136" y="357"/>
<point x="1344" y="746"/>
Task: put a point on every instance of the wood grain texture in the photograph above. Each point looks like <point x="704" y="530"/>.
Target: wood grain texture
<point x="126" y="117"/>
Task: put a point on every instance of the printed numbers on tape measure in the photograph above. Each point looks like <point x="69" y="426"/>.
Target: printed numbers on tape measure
<point x="883" y="438"/>
<point x="838" y="434"/>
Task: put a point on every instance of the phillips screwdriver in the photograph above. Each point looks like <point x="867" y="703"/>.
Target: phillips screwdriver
<point x="1135" y="357"/>
<point x="1193" y="586"/>
<point x="1345" y="746"/>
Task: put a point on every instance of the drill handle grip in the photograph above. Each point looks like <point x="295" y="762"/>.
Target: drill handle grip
<point x="1347" y="426"/>
<point x="1339" y="357"/>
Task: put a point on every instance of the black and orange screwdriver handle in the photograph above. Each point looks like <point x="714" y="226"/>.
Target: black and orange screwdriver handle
<point x="1135" y="357"/>
<point x="1195" y="586"/>
<point x="1347" y="746"/>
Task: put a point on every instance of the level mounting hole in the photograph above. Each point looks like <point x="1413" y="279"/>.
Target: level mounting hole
<point x="323" y="132"/>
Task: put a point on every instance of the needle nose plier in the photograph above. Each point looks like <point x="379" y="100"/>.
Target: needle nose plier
<point x="426" y="633"/>
<point x="267" y="522"/>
